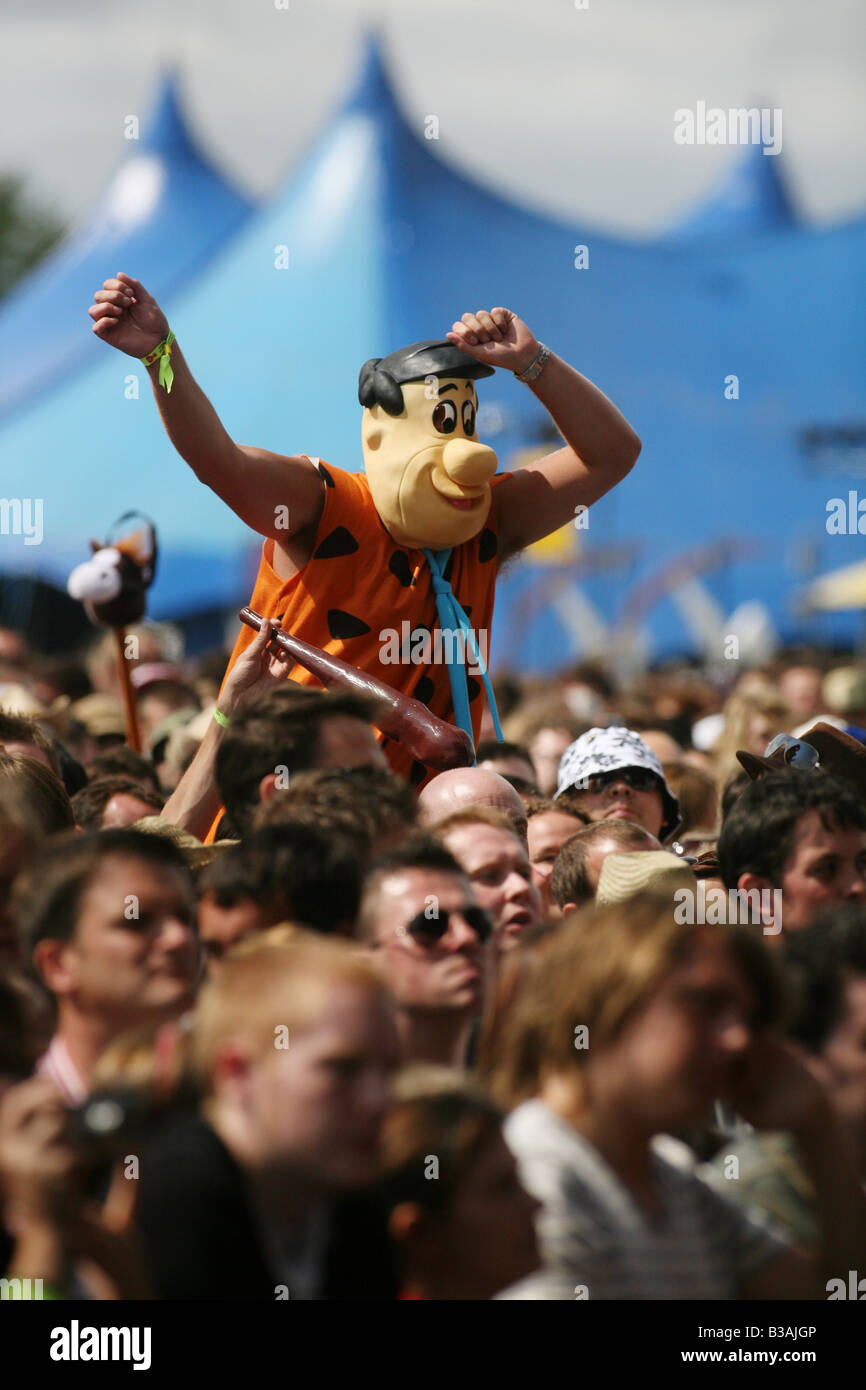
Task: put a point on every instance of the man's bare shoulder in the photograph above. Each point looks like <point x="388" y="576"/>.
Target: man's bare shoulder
<point x="292" y="552"/>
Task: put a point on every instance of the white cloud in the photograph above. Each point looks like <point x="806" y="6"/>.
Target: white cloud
<point x="571" y="110"/>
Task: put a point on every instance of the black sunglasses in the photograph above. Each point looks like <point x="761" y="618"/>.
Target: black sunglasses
<point x="639" y="778"/>
<point x="428" y="930"/>
<point x="796" y="752"/>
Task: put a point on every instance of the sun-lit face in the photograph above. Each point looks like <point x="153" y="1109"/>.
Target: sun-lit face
<point x="315" y="1109"/>
<point x="825" y="867"/>
<point x="125" y="967"/>
<point x="429" y="473"/>
<point x="497" y="865"/>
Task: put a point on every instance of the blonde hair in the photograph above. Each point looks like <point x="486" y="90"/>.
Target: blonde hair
<point x="603" y="963"/>
<point x="740" y="708"/>
<point x="272" y="983"/>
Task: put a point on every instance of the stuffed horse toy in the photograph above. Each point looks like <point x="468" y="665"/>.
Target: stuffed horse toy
<point x="113" y="586"/>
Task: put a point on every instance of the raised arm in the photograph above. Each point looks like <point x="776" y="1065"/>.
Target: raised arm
<point x="601" y="447"/>
<point x="196" y="799"/>
<point x="277" y="495"/>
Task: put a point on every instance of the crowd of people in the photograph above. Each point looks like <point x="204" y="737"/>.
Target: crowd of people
<point x="586" y="1020"/>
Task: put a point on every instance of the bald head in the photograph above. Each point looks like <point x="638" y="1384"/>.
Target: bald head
<point x="471" y="786"/>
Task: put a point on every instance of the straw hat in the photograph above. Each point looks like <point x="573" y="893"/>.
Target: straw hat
<point x="623" y="875"/>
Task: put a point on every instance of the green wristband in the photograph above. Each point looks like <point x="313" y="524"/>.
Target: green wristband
<point x="162" y="351"/>
<point x="221" y="719"/>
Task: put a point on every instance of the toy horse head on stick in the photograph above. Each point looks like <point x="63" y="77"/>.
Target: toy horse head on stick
<point x="113" y="585"/>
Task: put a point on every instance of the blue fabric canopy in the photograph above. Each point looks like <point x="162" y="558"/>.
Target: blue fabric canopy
<point x="753" y="198"/>
<point x="739" y="359"/>
<point x="165" y="212"/>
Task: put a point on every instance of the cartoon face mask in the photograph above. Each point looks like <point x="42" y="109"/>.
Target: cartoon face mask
<point x="429" y="473"/>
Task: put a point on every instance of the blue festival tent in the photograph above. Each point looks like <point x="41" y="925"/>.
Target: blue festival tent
<point x="753" y="198"/>
<point x="738" y="358"/>
<point x="165" y="211"/>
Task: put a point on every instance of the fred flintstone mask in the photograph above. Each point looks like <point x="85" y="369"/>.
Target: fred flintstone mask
<point x="428" y="471"/>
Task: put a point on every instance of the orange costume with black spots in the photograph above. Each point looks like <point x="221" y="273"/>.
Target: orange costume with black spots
<point x="359" y="584"/>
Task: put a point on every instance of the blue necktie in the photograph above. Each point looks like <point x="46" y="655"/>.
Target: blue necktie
<point x="451" y="618"/>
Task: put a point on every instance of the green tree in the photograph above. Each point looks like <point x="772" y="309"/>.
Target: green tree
<point x="27" y="232"/>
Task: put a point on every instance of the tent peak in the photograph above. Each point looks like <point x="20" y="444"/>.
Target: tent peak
<point x="373" y="91"/>
<point x="753" y="197"/>
<point x="167" y="130"/>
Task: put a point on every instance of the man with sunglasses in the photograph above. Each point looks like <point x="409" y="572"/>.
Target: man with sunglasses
<point x="421" y="922"/>
<point x="611" y="774"/>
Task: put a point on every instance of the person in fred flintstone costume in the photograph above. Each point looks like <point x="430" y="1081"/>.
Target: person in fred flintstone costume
<point x="357" y="563"/>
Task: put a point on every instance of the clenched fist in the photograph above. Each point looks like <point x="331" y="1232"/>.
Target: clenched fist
<point x="127" y="317"/>
<point x="498" y="338"/>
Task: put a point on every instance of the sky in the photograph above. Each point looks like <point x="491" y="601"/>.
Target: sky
<point x="568" y="109"/>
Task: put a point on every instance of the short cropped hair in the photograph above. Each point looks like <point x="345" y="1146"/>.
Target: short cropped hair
<point x="122" y="761"/>
<point x="493" y="748"/>
<point x="47" y="897"/>
<point x="172" y="692"/>
<point x="541" y="805"/>
<point x="265" y="986"/>
<point x="758" y="832"/>
<point x="89" y="804"/>
<point x="297" y="872"/>
<point x="32" y="797"/>
<point x="21" y="728"/>
<point x="569" y="881"/>
<point x="362" y="802"/>
<point x="419" y="852"/>
<point x="277" y="728"/>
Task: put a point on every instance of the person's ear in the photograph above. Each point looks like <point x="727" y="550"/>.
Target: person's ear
<point x="405" y="1224"/>
<point x="751" y="883"/>
<point x="231" y="1069"/>
<point x="268" y="788"/>
<point x="748" y="883"/>
<point x="52" y="959"/>
<point x="569" y="907"/>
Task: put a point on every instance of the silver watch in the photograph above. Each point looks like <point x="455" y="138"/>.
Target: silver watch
<point x="536" y="366"/>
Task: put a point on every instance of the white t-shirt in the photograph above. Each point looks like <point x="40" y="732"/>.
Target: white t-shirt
<point x="599" y="1243"/>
